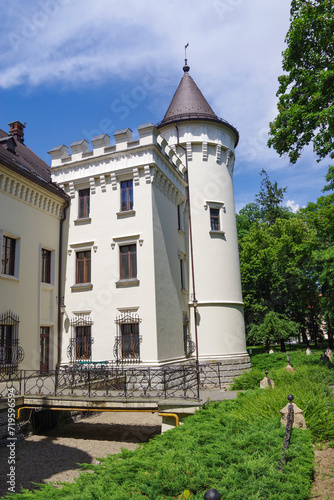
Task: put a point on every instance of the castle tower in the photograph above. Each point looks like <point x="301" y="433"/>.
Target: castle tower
<point x="206" y="144"/>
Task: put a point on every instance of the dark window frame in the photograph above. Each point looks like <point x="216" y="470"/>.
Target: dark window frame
<point x="84" y="203"/>
<point x="44" y="348"/>
<point x="128" y="261"/>
<point x="83" y="342"/>
<point x="7" y="337"/>
<point x="8" y="255"/>
<point x="45" y="266"/>
<point x="182" y="273"/>
<point x="130" y="340"/>
<point x="83" y="266"/>
<point x="126" y="195"/>
<point x="215" y="219"/>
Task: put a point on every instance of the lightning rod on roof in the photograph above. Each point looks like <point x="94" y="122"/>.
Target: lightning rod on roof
<point x="186" y="68"/>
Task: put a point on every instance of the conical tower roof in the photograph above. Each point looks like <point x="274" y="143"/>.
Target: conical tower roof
<point x="189" y="103"/>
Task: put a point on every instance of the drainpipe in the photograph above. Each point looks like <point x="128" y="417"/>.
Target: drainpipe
<point x="192" y="263"/>
<point x="60" y="281"/>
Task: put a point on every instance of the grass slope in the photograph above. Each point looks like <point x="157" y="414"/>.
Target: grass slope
<point x="233" y="446"/>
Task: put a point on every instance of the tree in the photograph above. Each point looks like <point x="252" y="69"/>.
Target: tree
<point x="306" y="105"/>
<point x="270" y="200"/>
<point x="320" y="217"/>
<point x="275" y="327"/>
<point x="246" y="217"/>
<point x="267" y="207"/>
<point x="330" y="180"/>
<point x="276" y="271"/>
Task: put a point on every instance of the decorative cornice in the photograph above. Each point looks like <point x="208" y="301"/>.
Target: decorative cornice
<point x="29" y="194"/>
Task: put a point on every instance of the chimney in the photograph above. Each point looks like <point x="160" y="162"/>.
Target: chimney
<point x="17" y="130"/>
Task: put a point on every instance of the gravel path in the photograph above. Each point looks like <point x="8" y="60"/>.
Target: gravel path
<point x="53" y="456"/>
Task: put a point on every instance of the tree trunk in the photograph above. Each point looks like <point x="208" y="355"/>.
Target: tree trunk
<point x="330" y="340"/>
<point x="305" y="339"/>
<point x="267" y="345"/>
<point x="282" y="346"/>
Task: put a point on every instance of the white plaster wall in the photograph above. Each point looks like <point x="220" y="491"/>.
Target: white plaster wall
<point x="36" y="306"/>
<point x="221" y="330"/>
<point x="171" y="302"/>
<point x="104" y="234"/>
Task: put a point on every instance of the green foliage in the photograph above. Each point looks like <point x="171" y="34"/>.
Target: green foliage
<point x="306" y="109"/>
<point x="309" y="386"/>
<point x="270" y="199"/>
<point x="274" y="327"/>
<point x="266" y="209"/>
<point x="320" y="218"/>
<point x="233" y="446"/>
<point x="211" y="450"/>
<point x="276" y="271"/>
<point x="329" y="180"/>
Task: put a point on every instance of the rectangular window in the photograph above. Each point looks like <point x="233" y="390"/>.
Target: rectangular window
<point x="130" y="340"/>
<point x="128" y="262"/>
<point x="126" y="195"/>
<point x="83" y="267"/>
<point x="214" y="219"/>
<point x="83" y="345"/>
<point x="180" y="218"/>
<point x="45" y="348"/>
<point x="183" y="281"/>
<point x="6" y="344"/>
<point x="84" y="203"/>
<point x="8" y="256"/>
<point x="46" y="266"/>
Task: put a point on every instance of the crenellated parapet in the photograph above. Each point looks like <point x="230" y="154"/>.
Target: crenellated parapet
<point x="145" y="160"/>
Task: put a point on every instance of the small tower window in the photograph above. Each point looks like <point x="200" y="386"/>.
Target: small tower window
<point x="215" y="209"/>
<point x="214" y="219"/>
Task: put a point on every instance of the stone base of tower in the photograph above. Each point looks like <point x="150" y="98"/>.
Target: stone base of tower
<point x="221" y="372"/>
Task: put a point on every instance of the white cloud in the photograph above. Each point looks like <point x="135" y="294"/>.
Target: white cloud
<point x="293" y="205"/>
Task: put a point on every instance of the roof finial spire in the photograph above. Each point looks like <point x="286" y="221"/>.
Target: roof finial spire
<point x="186" y="68"/>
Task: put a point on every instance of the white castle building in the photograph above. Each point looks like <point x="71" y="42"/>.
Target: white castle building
<point x="151" y="253"/>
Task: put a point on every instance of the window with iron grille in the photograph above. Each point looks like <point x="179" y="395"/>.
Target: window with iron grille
<point x="214" y="219"/>
<point x="83" y="347"/>
<point x="128" y="339"/>
<point x="8" y="256"/>
<point x="84" y="203"/>
<point x="45" y="348"/>
<point x="81" y="341"/>
<point x="83" y="267"/>
<point x="126" y="195"/>
<point x="6" y="343"/>
<point x="10" y="352"/>
<point x="46" y="266"/>
<point x="128" y="261"/>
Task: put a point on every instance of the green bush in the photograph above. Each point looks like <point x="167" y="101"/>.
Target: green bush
<point x="233" y="446"/>
<point x="223" y="446"/>
<point x="310" y="387"/>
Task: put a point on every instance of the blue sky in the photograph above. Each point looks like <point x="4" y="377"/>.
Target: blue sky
<point x="73" y="69"/>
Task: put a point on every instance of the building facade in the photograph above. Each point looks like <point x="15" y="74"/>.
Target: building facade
<point x="152" y="265"/>
<point x="31" y="213"/>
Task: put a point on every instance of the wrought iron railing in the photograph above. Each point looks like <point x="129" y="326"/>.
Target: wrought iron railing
<point x="110" y="382"/>
<point x="108" y="379"/>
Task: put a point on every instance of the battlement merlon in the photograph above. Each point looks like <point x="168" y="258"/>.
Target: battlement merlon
<point x="148" y="135"/>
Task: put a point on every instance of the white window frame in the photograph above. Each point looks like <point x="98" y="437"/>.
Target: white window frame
<point x="218" y="205"/>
